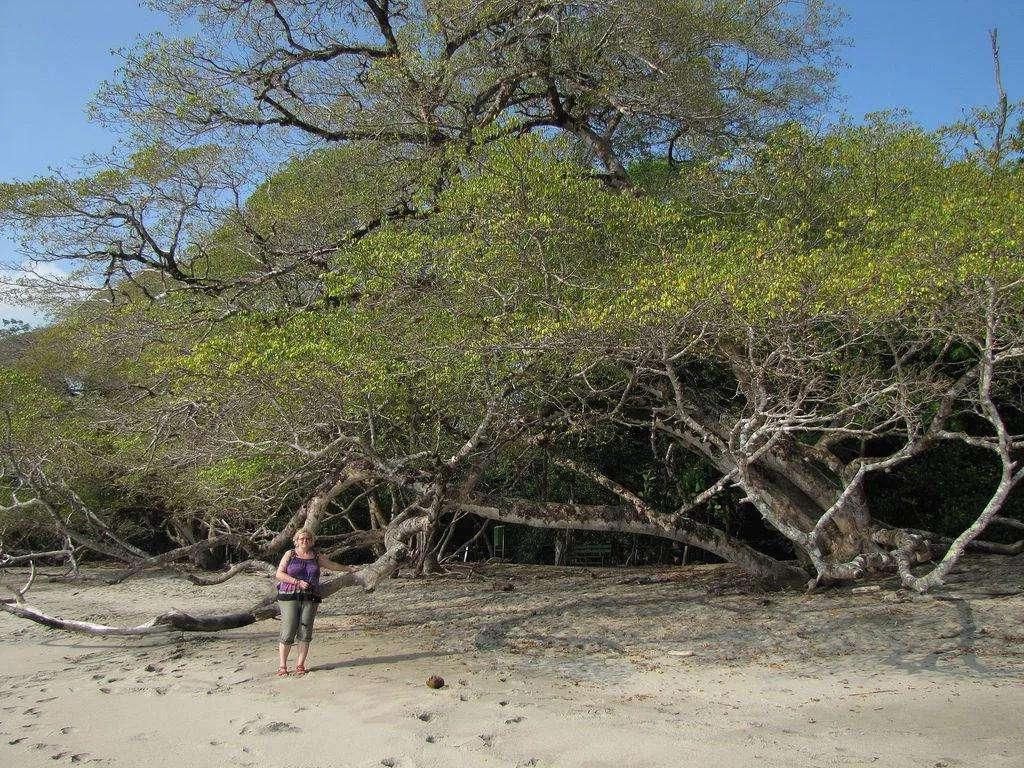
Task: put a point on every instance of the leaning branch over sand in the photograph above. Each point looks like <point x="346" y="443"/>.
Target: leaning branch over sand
<point x="366" y="577"/>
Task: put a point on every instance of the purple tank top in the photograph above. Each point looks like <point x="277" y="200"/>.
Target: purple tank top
<point x="307" y="570"/>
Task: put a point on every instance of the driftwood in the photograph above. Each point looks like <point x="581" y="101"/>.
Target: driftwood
<point x="19" y="594"/>
<point x="367" y="577"/>
<point x="175" y="554"/>
<point x="172" y="621"/>
<point x="246" y="565"/>
<point x="9" y="560"/>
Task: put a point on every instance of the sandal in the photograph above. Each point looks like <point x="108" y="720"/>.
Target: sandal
<point x="300" y="671"/>
<point x="282" y="672"/>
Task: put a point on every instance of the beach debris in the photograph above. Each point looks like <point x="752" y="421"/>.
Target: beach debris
<point x="435" y="682"/>
<point x="899" y="596"/>
<point x="865" y="590"/>
<point x="425" y="716"/>
<point x="389" y="762"/>
<point x="279" y="727"/>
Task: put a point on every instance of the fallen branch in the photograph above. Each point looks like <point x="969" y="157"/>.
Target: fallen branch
<point x="367" y="577"/>
<point x="174" y="554"/>
<point x="19" y="594"/>
<point x="1009" y="522"/>
<point x="351" y="542"/>
<point x="665" y="578"/>
<point x="9" y="560"/>
<point x="220" y="578"/>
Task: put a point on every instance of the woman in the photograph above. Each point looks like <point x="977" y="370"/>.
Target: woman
<point x="298" y="595"/>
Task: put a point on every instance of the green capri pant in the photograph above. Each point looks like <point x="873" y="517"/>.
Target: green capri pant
<point x="297" y="620"/>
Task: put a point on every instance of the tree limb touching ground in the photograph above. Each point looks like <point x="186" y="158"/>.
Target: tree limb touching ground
<point x="555" y="265"/>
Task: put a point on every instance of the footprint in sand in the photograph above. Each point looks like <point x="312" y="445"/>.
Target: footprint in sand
<point x="252" y="726"/>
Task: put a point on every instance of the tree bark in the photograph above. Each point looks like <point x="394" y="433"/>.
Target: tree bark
<point x="625" y="519"/>
<point x="312" y="509"/>
<point x="367" y="577"/>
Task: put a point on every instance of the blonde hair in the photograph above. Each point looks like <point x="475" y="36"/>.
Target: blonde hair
<point x="304" y="532"/>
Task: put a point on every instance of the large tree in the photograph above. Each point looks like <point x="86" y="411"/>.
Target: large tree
<point x="407" y="88"/>
<point x="533" y="227"/>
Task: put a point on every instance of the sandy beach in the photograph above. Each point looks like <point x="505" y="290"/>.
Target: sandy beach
<point x="572" y="667"/>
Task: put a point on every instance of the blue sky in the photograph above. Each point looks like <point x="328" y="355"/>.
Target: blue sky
<point x="930" y="56"/>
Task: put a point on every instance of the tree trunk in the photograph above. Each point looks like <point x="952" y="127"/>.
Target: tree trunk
<point x="793" y="490"/>
<point x="310" y="513"/>
<point x="563" y="540"/>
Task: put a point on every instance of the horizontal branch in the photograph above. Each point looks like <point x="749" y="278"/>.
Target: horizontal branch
<point x="626" y="519"/>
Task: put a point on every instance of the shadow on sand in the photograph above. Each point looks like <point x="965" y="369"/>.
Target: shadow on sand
<point x="366" y="661"/>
